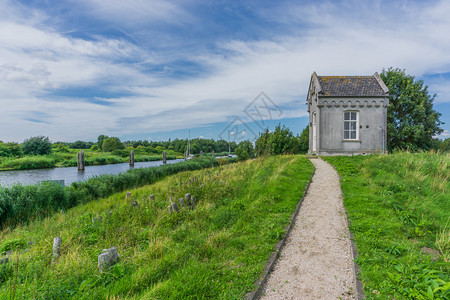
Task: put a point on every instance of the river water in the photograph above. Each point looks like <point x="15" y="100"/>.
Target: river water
<point x="71" y="174"/>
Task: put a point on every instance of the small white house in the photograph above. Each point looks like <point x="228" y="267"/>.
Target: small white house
<point x="347" y="114"/>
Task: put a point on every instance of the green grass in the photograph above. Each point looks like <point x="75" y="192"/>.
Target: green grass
<point x="398" y="204"/>
<point x="216" y="250"/>
<point x="20" y="204"/>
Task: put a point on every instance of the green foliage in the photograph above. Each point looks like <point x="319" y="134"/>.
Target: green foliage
<point x="216" y="250"/>
<point x="95" y="147"/>
<point x="10" y="150"/>
<point x="12" y="245"/>
<point x="38" y="145"/>
<point x="398" y="204"/>
<point x="303" y="144"/>
<point x="101" y="138"/>
<point x="61" y="148"/>
<point x="28" y="162"/>
<point x="245" y="150"/>
<point x="412" y="122"/>
<point x="280" y="141"/>
<point x="111" y="144"/>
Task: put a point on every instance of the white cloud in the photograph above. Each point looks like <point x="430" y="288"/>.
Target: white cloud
<point x="349" y="39"/>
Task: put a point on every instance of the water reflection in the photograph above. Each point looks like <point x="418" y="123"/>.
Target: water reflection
<point x="71" y="174"/>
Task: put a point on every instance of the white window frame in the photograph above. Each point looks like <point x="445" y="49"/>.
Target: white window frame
<point x="353" y="125"/>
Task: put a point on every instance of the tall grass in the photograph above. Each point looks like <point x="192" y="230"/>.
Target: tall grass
<point x="28" y="162"/>
<point x="398" y="206"/>
<point x="19" y="204"/>
<point x="216" y="250"/>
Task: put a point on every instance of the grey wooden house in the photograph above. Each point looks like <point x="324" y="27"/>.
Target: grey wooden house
<point x="347" y="114"/>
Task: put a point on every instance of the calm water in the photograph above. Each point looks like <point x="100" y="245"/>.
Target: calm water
<point x="71" y="174"/>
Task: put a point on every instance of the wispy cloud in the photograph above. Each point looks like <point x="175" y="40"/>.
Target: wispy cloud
<point x="134" y="67"/>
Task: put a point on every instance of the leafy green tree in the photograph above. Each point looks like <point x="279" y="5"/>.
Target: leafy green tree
<point x="101" y="138"/>
<point x="111" y="144"/>
<point x="245" y="150"/>
<point x="411" y="120"/>
<point x="95" y="147"/>
<point x="38" y="145"/>
<point x="10" y="150"/>
<point x="280" y="141"/>
<point x="303" y="146"/>
<point x="262" y="143"/>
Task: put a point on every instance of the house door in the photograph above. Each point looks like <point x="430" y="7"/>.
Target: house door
<point x="314" y="133"/>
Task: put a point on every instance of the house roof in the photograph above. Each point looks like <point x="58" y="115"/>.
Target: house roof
<point x="352" y="86"/>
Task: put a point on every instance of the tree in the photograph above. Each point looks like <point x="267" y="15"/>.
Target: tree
<point x="38" y="145"/>
<point x="101" y="138"/>
<point x="411" y="120"/>
<point x="303" y="146"/>
<point x="280" y="141"/>
<point x="111" y="144"/>
<point x="245" y="150"/>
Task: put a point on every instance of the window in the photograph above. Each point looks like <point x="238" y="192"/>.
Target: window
<point x="351" y="125"/>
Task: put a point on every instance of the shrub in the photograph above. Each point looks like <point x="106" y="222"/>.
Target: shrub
<point x="38" y="145"/>
<point x="29" y="162"/>
<point x="111" y="144"/>
<point x="245" y="150"/>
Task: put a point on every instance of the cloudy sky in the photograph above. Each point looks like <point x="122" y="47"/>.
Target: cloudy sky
<point x="136" y="69"/>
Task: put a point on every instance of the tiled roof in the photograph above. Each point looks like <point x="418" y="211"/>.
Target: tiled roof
<point x="350" y="86"/>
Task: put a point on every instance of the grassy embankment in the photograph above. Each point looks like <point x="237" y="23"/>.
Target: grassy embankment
<point x="69" y="159"/>
<point x="398" y="206"/>
<point x="216" y="250"/>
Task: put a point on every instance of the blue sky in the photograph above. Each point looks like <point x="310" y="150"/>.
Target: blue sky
<point x="75" y="69"/>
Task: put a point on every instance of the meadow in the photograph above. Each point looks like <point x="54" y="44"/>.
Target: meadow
<point x="214" y="249"/>
<point x="398" y="207"/>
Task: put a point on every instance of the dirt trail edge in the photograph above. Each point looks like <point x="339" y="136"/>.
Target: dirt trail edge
<point x="316" y="261"/>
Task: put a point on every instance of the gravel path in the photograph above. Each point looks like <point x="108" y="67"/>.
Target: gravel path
<point x="316" y="262"/>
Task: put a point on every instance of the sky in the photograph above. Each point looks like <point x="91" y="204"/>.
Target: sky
<point x="153" y="70"/>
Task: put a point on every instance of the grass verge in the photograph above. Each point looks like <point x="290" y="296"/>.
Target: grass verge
<point x="216" y="250"/>
<point x="399" y="208"/>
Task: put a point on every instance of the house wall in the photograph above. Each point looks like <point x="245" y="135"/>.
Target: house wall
<point x="331" y="125"/>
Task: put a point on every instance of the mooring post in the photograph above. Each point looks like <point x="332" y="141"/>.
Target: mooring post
<point x="80" y="160"/>
<point x="185" y="155"/>
<point x="132" y="158"/>
<point x="164" y="157"/>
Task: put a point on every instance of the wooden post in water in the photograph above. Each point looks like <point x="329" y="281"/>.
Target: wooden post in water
<point x="186" y="155"/>
<point x="132" y="158"/>
<point x="164" y="157"/>
<point x="80" y="161"/>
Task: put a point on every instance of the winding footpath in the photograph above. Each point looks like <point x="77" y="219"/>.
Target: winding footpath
<point x="316" y="261"/>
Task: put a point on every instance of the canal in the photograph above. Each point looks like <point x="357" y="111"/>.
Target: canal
<point x="71" y="174"/>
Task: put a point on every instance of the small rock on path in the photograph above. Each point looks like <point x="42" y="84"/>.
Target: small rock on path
<point x="316" y="262"/>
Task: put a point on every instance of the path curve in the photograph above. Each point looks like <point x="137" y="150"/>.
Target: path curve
<point x="316" y="261"/>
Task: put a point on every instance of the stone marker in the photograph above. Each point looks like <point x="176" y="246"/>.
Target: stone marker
<point x="4" y="260"/>
<point x="151" y="197"/>
<point x="128" y="196"/>
<point x="132" y="158"/>
<point x="212" y="154"/>
<point x="135" y="204"/>
<point x="201" y="153"/>
<point x="56" y="246"/>
<point x="181" y="202"/>
<point x="187" y="197"/>
<point x="107" y="258"/>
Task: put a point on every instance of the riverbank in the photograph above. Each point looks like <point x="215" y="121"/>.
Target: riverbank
<point x="92" y="158"/>
<point x="215" y="249"/>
